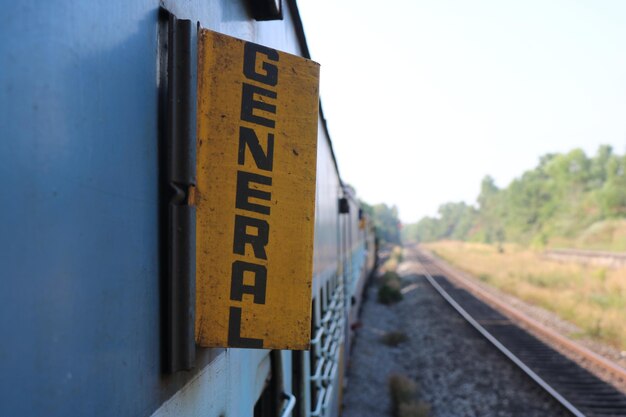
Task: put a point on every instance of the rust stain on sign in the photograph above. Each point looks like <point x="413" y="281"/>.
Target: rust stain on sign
<point x="255" y="196"/>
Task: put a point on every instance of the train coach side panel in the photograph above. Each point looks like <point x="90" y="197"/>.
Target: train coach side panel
<point x="326" y="249"/>
<point x="80" y="220"/>
<point x="80" y="304"/>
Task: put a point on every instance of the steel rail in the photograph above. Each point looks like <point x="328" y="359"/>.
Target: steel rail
<point x="531" y="323"/>
<point x="569" y="406"/>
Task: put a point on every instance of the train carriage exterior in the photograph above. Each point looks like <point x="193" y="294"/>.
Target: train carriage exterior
<point x="361" y="247"/>
<point x="82" y="300"/>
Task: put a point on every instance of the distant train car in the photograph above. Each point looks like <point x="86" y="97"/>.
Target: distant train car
<point x="86" y="305"/>
<point x="359" y="260"/>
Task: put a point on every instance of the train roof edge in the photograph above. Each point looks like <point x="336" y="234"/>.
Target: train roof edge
<point x="299" y="28"/>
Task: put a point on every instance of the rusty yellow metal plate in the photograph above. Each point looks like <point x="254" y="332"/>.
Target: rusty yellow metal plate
<point x="255" y="196"/>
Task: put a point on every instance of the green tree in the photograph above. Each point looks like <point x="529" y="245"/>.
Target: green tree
<point x="561" y="196"/>
<point x="385" y="220"/>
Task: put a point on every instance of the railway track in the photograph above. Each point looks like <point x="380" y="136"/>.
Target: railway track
<point x="577" y="389"/>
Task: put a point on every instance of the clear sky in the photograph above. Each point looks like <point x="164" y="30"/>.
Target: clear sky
<point x="425" y="98"/>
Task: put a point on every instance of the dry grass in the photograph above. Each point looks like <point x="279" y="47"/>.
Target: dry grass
<point x="395" y="257"/>
<point x="397" y="253"/>
<point x="607" y="234"/>
<point x="394" y="338"/>
<point x="390" y="265"/>
<point x="404" y="401"/>
<point x="390" y="286"/>
<point x="418" y="409"/>
<point x="593" y="298"/>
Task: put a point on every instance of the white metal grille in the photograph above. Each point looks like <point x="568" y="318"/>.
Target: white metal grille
<point x="325" y="348"/>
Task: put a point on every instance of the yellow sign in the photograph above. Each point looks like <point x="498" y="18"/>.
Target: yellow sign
<point x="255" y="196"/>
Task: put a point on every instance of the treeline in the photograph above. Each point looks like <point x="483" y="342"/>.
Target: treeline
<point x="386" y="221"/>
<point x="560" y="197"/>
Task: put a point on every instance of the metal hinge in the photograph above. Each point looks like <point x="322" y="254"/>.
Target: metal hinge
<point x="178" y="132"/>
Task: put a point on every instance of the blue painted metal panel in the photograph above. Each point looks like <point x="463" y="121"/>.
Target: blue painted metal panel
<point x="328" y="189"/>
<point x="79" y="309"/>
<point x="79" y="250"/>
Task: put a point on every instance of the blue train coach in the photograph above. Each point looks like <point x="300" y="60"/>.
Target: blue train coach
<point x="98" y="121"/>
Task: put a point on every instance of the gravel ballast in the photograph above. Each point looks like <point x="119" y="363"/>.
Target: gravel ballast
<point x="458" y="372"/>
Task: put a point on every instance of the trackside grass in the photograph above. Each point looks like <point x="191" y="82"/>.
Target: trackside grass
<point x="591" y="297"/>
<point x="390" y="282"/>
<point x="404" y="393"/>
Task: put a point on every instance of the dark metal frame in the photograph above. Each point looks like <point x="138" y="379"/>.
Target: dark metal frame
<point x="178" y="184"/>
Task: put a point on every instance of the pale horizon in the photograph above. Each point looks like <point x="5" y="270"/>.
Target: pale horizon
<point x="424" y="99"/>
